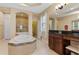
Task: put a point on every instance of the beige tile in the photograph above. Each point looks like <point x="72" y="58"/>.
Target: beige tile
<point x="3" y="47"/>
<point x="41" y="48"/>
<point x="24" y="49"/>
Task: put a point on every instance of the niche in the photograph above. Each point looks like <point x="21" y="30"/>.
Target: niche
<point x="21" y="22"/>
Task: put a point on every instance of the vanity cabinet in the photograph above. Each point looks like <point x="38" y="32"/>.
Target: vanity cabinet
<point x="50" y="41"/>
<point x="56" y="43"/>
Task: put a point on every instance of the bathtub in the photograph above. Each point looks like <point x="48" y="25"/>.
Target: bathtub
<point x="22" y="44"/>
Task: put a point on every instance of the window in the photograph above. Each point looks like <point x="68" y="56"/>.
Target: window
<point x="75" y="25"/>
<point x="43" y="23"/>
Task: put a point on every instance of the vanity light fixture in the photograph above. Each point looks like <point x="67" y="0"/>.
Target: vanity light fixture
<point x="60" y="6"/>
<point x="71" y="8"/>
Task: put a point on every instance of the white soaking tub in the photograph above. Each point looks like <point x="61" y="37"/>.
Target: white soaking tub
<point x="22" y="44"/>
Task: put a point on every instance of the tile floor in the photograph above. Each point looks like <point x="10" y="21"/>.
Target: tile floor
<point x="3" y="47"/>
<point x="42" y="48"/>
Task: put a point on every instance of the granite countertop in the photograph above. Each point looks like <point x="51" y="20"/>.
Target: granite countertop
<point x="71" y="48"/>
<point x="71" y="37"/>
<point x="68" y="35"/>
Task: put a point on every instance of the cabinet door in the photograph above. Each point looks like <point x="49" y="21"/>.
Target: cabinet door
<point x="50" y="41"/>
<point x="58" y="44"/>
<point x="54" y="43"/>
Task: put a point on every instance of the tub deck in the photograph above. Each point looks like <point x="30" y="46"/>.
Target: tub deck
<point x="22" y="46"/>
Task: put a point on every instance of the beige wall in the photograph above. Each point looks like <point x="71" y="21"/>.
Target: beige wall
<point x="12" y="25"/>
<point x="13" y="21"/>
<point x="1" y="25"/>
<point x="66" y="20"/>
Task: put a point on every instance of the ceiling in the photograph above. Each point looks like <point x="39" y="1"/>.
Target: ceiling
<point x="68" y="9"/>
<point x="36" y="8"/>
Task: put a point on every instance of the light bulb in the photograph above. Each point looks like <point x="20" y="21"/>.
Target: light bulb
<point x="56" y="7"/>
<point x="62" y="4"/>
<point x="59" y="5"/>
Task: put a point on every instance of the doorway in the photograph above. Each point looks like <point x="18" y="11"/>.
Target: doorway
<point x="34" y="28"/>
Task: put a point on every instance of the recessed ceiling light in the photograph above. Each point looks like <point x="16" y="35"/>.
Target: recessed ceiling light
<point x="22" y="4"/>
<point x="57" y="14"/>
<point x="59" y="5"/>
<point x="62" y="4"/>
<point x="71" y="8"/>
<point x="56" y="7"/>
<point x="78" y="16"/>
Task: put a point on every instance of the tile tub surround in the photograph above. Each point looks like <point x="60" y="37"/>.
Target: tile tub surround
<point x="22" y="49"/>
<point x="22" y="44"/>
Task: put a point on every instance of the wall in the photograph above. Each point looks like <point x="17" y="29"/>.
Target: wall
<point x="12" y="23"/>
<point x="1" y="25"/>
<point x="6" y="19"/>
<point x="66" y="20"/>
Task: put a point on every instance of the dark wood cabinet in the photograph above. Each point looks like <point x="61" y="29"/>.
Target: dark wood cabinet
<point x="59" y="40"/>
<point x="50" y="41"/>
<point x="58" y="44"/>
